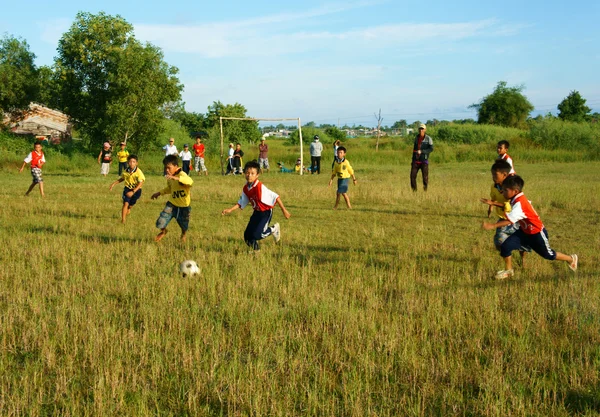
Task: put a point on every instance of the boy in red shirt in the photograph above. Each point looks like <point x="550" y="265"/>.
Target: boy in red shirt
<point x="262" y="200"/>
<point x="36" y="159"/>
<point x="198" y="148"/>
<point x="531" y="230"/>
<point x="502" y="149"/>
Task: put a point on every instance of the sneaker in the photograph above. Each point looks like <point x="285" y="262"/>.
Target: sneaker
<point x="573" y="265"/>
<point x="505" y="274"/>
<point x="276" y="232"/>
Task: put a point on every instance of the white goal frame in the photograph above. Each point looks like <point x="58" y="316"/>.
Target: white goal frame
<point x="258" y="119"/>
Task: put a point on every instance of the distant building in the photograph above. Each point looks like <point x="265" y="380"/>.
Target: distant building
<point x="42" y="122"/>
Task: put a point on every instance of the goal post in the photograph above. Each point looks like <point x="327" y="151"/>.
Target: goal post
<point x="263" y="119"/>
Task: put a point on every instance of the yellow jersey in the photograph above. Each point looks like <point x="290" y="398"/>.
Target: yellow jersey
<point x="179" y="190"/>
<point x="496" y="195"/>
<point x="133" y="178"/>
<point x="122" y="155"/>
<point x="342" y="169"/>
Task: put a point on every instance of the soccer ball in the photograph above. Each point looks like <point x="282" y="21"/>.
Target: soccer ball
<point x="189" y="269"/>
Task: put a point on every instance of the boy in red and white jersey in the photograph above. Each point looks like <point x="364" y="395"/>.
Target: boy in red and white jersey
<point x="262" y="201"/>
<point x="502" y="150"/>
<point x="36" y="159"/>
<point x="531" y="231"/>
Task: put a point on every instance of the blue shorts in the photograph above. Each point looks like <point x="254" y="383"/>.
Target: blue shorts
<point x="503" y="233"/>
<point x="343" y="185"/>
<point x="538" y="242"/>
<point x="133" y="199"/>
<point x="181" y="214"/>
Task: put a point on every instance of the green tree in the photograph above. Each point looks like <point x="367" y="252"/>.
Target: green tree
<point x="573" y="108"/>
<point x="233" y="130"/>
<point x="47" y="86"/>
<point x="18" y="75"/>
<point x="506" y="106"/>
<point x="400" y="124"/>
<point x="335" y="133"/>
<point x="112" y="85"/>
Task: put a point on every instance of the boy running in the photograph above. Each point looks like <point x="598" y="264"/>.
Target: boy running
<point x="178" y="206"/>
<point x="134" y="179"/>
<point x="343" y="171"/>
<point x="36" y="159"/>
<point x="262" y="201"/>
<point x="502" y="150"/>
<point x="199" y="156"/>
<point x="531" y="230"/>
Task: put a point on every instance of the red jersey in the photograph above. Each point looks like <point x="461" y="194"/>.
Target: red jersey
<point x="523" y="212"/>
<point x="259" y="196"/>
<point x="37" y="160"/>
<point x="506" y="157"/>
<point x="198" y="149"/>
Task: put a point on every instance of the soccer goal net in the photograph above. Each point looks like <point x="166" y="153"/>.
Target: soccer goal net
<point x="261" y="119"/>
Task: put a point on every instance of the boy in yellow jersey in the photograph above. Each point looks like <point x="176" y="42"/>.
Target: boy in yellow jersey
<point x="134" y="179"/>
<point x="500" y="205"/>
<point x="343" y="171"/>
<point x="122" y="157"/>
<point x="178" y="206"/>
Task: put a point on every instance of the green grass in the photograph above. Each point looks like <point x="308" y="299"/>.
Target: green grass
<point x="385" y="310"/>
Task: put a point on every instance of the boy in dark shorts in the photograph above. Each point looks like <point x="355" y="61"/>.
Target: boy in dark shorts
<point x="343" y="171"/>
<point x="178" y="206"/>
<point x="531" y="230"/>
<point x="262" y="200"/>
<point x="134" y="179"/>
<point x="36" y="158"/>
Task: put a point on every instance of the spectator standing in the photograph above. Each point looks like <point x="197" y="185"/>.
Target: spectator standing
<point x="263" y="155"/>
<point x="423" y="146"/>
<point x="316" y="148"/>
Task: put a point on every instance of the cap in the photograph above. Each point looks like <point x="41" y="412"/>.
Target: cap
<point x="123" y="143"/>
<point x="422" y="126"/>
<point x="231" y="144"/>
<point x="185" y="145"/>
<point x="262" y="139"/>
<point x="316" y="137"/>
<point x="106" y="145"/>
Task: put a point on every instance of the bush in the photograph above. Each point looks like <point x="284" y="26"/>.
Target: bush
<point x="473" y="134"/>
<point x="559" y="134"/>
<point x="308" y="133"/>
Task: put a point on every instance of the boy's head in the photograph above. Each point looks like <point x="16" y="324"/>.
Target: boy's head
<point x="123" y="145"/>
<point x="198" y="139"/>
<point x="251" y="171"/>
<point x="238" y="146"/>
<point x="171" y="161"/>
<point x="171" y="141"/>
<point x="231" y="145"/>
<point x="512" y="186"/>
<point x="502" y="147"/>
<point x="185" y="147"/>
<point x="37" y="146"/>
<point x="500" y="171"/>
<point x="132" y="161"/>
<point x="341" y="152"/>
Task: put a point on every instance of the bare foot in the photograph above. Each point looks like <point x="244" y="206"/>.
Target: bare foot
<point x="159" y="236"/>
<point x="183" y="238"/>
<point x="335" y="207"/>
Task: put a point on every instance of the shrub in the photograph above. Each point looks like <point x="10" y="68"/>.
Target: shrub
<point x="559" y="134"/>
<point x="473" y="134"/>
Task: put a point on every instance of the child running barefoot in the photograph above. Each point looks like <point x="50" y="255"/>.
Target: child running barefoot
<point x="342" y="170"/>
<point x="178" y="206"/>
<point x="531" y="232"/>
<point x="262" y="200"/>
<point x="36" y="159"/>
<point x="134" y="179"/>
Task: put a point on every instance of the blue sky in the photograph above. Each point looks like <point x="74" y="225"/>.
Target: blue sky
<point x="323" y="61"/>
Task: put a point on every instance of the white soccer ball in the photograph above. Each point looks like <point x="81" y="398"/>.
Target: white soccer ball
<point x="189" y="269"/>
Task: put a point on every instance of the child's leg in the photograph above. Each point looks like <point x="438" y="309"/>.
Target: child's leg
<point x="30" y="188"/>
<point x="124" y="212"/>
<point x="347" y="200"/>
<point x="163" y="221"/>
<point x="258" y="228"/>
<point x="183" y="220"/>
<point x="42" y="188"/>
<point x="337" y="200"/>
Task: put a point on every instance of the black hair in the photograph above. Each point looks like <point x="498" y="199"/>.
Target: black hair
<point x="171" y="160"/>
<point x="238" y="144"/>
<point x="132" y="156"/>
<point x="513" y="182"/>
<point x="341" y="148"/>
<point x="505" y="143"/>
<point x="501" y="166"/>
<point x="252" y="164"/>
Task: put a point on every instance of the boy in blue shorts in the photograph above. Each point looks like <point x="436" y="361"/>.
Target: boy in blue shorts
<point x="262" y="201"/>
<point x="178" y="206"/>
<point x="531" y="230"/>
<point x="500" y="205"/>
<point x="343" y="171"/>
<point x="134" y="179"/>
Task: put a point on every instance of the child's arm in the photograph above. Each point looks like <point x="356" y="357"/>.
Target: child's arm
<point x="99" y="156"/>
<point x="230" y="209"/>
<point x="23" y="166"/>
<point x="115" y="183"/>
<point x="134" y="190"/>
<point x="286" y="213"/>
<point x="491" y="203"/>
<point x="492" y="226"/>
<point x="331" y="179"/>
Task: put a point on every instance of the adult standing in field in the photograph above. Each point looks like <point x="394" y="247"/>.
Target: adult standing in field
<point x="263" y="155"/>
<point x="316" y="148"/>
<point x="170" y="149"/>
<point x="422" y="147"/>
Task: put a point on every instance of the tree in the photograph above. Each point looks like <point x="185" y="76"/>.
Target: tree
<point x="335" y="133"/>
<point x="233" y="130"/>
<point x="110" y="84"/>
<point x="47" y="86"/>
<point x="506" y="106"/>
<point x="400" y="124"/>
<point x="18" y="75"/>
<point x="573" y="108"/>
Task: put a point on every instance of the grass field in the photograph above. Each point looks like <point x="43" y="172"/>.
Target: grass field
<point x="386" y="310"/>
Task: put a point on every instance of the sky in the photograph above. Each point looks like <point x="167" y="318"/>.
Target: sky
<point x="341" y="62"/>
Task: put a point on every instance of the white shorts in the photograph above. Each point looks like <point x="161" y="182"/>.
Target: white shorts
<point x="104" y="168"/>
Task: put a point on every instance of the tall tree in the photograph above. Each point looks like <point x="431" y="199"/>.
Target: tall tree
<point x="110" y="84"/>
<point x="233" y="130"/>
<point x="573" y="108"/>
<point x="18" y="75"/>
<point x="505" y="106"/>
<point x="400" y="124"/>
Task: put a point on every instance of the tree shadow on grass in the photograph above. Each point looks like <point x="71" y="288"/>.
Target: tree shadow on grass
<point x="62" y="213"/>
<point x="582" y="401"/>
<point x="110" y="239"/>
